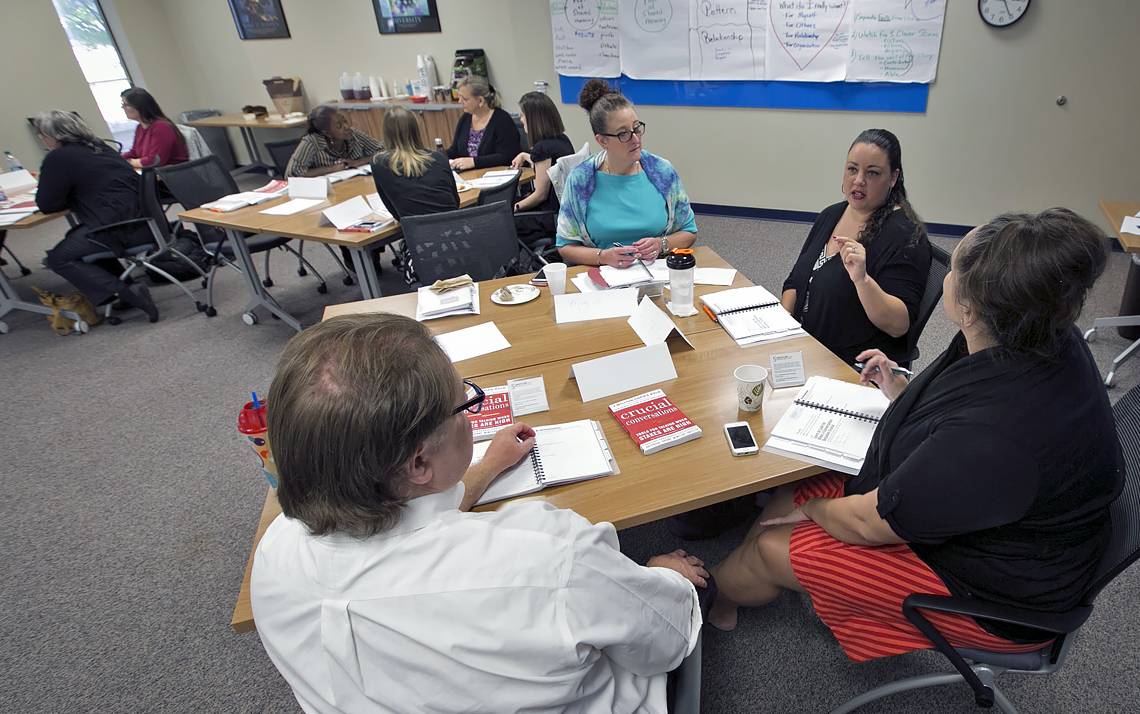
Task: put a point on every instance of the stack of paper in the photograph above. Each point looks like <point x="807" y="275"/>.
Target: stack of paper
<point x="334" y="177"/>
<point x="16" y="208"/>
<point x="491" y="179"/>
<point x="637" y="274"/>
<point x="358" y="215"/>
<point x="752" y="315"/>
<point x="235" y="201"/>
<point x="463" y="300"/>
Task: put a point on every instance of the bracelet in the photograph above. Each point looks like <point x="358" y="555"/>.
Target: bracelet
<point x="664" y="244"/>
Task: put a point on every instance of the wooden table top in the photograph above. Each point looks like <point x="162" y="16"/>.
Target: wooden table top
<point x="240" y="121"/>
<point x="520" y="323"/>
<point x="34" y="220"/>
<point x="306" y="225"/>
<point x="1115" y="211"/>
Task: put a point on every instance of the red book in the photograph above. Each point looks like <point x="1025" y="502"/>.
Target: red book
<point x="495" y="414"/>
<point x="654" y="421"/>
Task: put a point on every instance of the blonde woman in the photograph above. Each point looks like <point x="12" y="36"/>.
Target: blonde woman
<point x="486" y="135"/>
<point x="411" y="180"/>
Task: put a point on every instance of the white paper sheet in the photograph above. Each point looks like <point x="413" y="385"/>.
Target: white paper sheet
<point x="295" y="205"/>
<point x="472" y="342"/>
<point x="305" y="187"/>
<point x="895" y="40"/>
<point x="345" y="214"/>
<point x="654" y="38"/>
<point x="585" y="37"/>
<point x="377" y="205"/>
<point x="1131" y="225"/>
<point x="787" y="370"/>
<point x="621" y="372"/>
<point x="584" y="284"/>
<point x="807" y="40"/>
<point x="466" y="303"/>
<point x="528" y="396"/>
<point x="580" y="307"/>
<point x="727" y="39"/>
<point x="13" y="182"/>
<point x="652" y="325"/>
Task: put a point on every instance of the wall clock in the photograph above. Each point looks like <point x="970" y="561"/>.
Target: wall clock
<point x="1002" y="13"/>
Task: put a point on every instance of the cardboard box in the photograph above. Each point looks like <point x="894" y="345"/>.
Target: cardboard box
<point x="286" y="94"/>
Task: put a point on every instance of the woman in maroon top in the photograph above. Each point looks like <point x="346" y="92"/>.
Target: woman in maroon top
<point x="157" y="141"/>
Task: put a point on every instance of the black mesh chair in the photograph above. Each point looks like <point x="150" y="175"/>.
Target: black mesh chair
<point x="503" y="192"/>
<point x="479" y="241"/>
<point x="979" y="669"/>
<point x="142" y="256"/>
<point x="931" y="296"/>
<point x="196" y="182"/>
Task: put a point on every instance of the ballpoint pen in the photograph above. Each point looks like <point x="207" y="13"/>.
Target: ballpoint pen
<point x="901" y="371"/>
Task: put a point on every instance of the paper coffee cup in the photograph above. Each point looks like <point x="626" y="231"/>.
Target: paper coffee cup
<point x="555" y="277"/>
<point x="750" y="381"/>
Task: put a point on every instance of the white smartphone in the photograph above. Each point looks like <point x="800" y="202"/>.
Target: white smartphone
<point x="740" y="439"/>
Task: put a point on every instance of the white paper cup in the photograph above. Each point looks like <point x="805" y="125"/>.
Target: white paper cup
<point x="555" y="277"/>
<point x="750" y="380"/>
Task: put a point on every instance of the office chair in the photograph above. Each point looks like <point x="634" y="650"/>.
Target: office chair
<point x="931" y="296"/>
<point x="142" y="256"/>
<point x="504" y="192"/>
<point x="524" y="140"/>
<point x="980" y="669"/>
<point x="478" y="241"/>
<point x="196" y="182"/>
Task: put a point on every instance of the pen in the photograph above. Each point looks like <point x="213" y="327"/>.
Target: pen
<point x="900" y="371"/>
<point x="709" y="313"/>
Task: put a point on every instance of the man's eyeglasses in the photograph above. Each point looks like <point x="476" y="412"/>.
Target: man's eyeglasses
<point x="474" y="401"/>
<point x="626" y="136"/>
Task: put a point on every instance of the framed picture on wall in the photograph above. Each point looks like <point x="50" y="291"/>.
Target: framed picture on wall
<point x="259" y="19"/>
<point x="400" y="16"/>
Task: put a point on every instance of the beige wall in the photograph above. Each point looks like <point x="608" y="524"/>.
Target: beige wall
<point x="40" y="73"/>
<point x="992" y="138"/>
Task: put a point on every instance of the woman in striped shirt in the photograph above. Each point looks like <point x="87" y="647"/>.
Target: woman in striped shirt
<point x="330" y="145"/>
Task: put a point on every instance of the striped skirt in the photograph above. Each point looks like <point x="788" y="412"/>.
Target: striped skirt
<point x="858" y="590"/>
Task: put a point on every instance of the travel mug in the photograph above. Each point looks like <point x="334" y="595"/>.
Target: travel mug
<point x="682" y="265"/>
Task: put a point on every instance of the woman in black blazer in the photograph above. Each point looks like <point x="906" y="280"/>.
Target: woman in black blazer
<point x="486" y="135"/>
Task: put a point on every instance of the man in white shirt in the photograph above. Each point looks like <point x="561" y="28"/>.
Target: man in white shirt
<point x="376" y="591"/>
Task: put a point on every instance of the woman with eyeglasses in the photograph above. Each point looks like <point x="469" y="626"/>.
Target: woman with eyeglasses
<point x="623" y="204"/>
<point x="485" y="135"/>
<point x="158" y="142"/>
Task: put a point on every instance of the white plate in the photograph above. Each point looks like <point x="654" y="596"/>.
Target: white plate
<point x="522" y="293"/>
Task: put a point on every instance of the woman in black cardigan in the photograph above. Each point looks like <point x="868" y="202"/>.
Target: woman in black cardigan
<point x="869" y="297"/>
<point x="486" y="135"/>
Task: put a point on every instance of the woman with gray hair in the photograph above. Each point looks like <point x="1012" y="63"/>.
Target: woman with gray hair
<point x="84" y="175"/>
<point x="376" y="590"/>
<point x="485" y="135"/>
<point x="330" y="145"/>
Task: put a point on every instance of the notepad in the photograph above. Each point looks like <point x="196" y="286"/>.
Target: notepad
<point x="235" y="201"/>
<point x="563" y="453"/>
<point x="463" y="300"/>
<point x="472" y="342"/>
<point x="830" y="424"/>
<point x="752" y="315"/>
<point x="296" y="205"/>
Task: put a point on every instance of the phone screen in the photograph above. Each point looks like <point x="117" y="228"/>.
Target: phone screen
<point x="740" y="437"/>
<point x="539" y="276"/>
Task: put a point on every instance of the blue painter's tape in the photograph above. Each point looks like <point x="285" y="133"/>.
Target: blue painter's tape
<point x="822" y="96"/>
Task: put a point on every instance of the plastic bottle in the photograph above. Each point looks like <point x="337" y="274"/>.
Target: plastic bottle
<point x="373" y="88"/>
<point x="431" y="71"/>
<point x="439" y="146"/>
<point x="421" y="80"/>
<point x="541" y="86"/>
<point x="408" y="88"/>
<point x="11" y="163"/>
<point x="346" y="86"/>
<point x="681" y="264"/>
<point x="359" y="86"/>
<point x="383" y="87"/>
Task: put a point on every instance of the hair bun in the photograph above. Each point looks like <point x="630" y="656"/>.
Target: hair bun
<point x="592" y="91"/>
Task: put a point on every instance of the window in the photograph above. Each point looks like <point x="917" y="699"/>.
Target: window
<point x="99" y="58"/>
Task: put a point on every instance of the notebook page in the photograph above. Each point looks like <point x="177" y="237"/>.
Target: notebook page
<point x="844" y="396"/>
<point x="571" y="452"/>
<point x="751" y="323"/>
<point x="512" y="482"/>
<point x="825" y="431"/>
<point x="738" y="298"/>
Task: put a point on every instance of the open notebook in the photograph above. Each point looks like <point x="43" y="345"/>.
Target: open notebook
<point x="829" y="424"/>
<point x="563" y="453"/>
<point x="751" y="315"/>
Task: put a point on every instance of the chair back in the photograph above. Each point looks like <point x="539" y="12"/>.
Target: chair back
<point x="152" y="207"/>
<point x="524" y="140"/>
<point x="478" y="241"/>
<point x="280" y="152"/>
<point x="193" y="183"/>
<point x="560" y="169"/>
<point x="216" y="138"/>
<point x="1124" y="545"/>
<point x="931" y="296"/>
<point x="505" y="192"/>
<point x="196" y="146"/>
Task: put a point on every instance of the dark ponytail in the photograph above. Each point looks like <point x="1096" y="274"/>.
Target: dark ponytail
<point x="890" y="145"/>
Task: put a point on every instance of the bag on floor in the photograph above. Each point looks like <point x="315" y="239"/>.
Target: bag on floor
<point x="75" y="302"/>
<point x="186" y="243"/>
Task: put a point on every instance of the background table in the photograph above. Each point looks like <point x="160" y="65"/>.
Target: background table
<point x="699" y="473"/>
<point x="246" y="127"/>
<point x="1128" y="320"/>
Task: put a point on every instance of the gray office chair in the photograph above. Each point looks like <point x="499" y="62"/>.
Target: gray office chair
<point x="478" y="241"/>
<point x="279" y="153"/>
<point x="214" y="136"/>
<point x="196" y="182"/>
<point x="142" y="257"/>
<point x="931" y="296"/>
<point x="504" y="192"/>
<point x="980" y="669"/>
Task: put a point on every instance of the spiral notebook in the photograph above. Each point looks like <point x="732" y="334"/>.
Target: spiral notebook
<point x="563" y="453"/>
<point x="752" y="315"/>
<point x="829" y="424"/>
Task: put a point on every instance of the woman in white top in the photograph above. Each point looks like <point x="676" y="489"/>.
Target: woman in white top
<point x="376" y="591"/>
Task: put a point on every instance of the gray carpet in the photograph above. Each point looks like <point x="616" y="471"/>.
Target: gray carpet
<point x="131" y="506"/>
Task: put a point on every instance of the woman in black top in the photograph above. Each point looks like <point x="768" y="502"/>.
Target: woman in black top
<point x="990" y="475"/>
<point x="548" y="144"/>
<point x="869" y="296"/>
<point x="84" y="175"/>
<point x="485" y="135"/>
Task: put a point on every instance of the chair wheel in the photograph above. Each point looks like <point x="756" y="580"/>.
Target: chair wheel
<point x="302" y="272"/>
<point x="82" y="327"/>
<point x="200" y="307"/>
<point x="113" y="320"/>
<point x="249" y="318"/>
<point x="211" y="311"/>
<point x="347" y="280"/>
<point x="322" y="288"/>
<point x="268" y="282"/>
<point x="3" y="328"/>
<point x="25" y="272"/>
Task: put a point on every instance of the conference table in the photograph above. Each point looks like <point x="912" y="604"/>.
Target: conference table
<point x="647" y="488"/>
<point x="1129" y="316"/>
<point x="246" y="127"/>
<point x="308" y="225"/>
